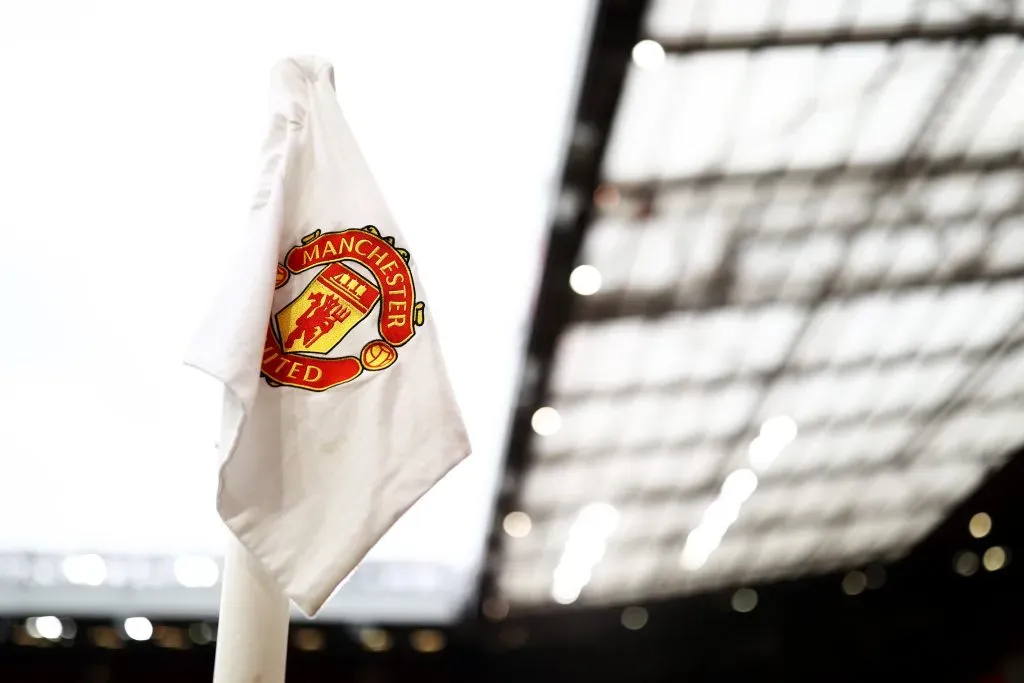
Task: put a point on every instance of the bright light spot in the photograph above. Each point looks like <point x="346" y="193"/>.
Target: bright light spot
<point x="196" y="572"/>
<point x="779" y="431"/>
<point x="994" y="559"/>
<point x="634" y="618"/>
<point x="776" y="433"/>
<point x="375" y="639"/>
<point x="762" y="453"/>
<point x="585" y="280"/>
<point x="855" y="582"/>
<point x="565" y="593"/>
<point x="584" y="548"/>
<point x="85" y="570"/>
<point x="648" y="54"/>
<point x="572" y="573"/>
<point x="744" y="600"/>
<point x="693" y="559"/>
<point x="719" y="516"/>
<point x="739" y="486"/>
<point x="49" y="628"/>
<point x="965" y="563"/>
<point x="701" y="542"/>
<point x="981" y="525"/>
<point x="706" y="537"/>
<point x="546" y="421"/>
<point x="517" y="524"/>
<point x="596" y="519"/>
<point x="138" y="628"/>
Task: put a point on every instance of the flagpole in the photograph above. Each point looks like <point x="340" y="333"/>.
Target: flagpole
<point x="252" y="636"/>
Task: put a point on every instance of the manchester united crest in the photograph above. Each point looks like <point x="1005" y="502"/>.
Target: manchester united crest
<point x="323" y="336"/>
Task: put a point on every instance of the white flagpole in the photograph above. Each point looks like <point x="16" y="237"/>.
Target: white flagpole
<point x="252" y="636"/>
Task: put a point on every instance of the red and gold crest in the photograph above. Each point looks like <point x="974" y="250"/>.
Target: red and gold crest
<point x="358" y="272"/>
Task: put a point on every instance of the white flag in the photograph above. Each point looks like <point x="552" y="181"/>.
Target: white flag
<point x="338" y="412"/>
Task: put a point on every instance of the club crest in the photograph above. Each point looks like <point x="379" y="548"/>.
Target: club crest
<point x="322" y="338"/>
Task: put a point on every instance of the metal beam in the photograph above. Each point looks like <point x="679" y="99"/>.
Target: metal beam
<point x="617" y="28"/>
<point x="729" y="443"/>
<point x="619" y="304"/>
<point x="707" y="387"/>
<point x="909" y="168"/>
<point x="976" y="30"/>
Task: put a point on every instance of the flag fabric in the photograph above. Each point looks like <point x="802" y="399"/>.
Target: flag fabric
<point x="338" y="412"/>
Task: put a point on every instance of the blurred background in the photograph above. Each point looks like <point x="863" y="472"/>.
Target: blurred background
<point x="750" y="403"/>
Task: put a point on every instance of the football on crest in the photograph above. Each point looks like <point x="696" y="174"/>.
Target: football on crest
<point x="378" y="355"/>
